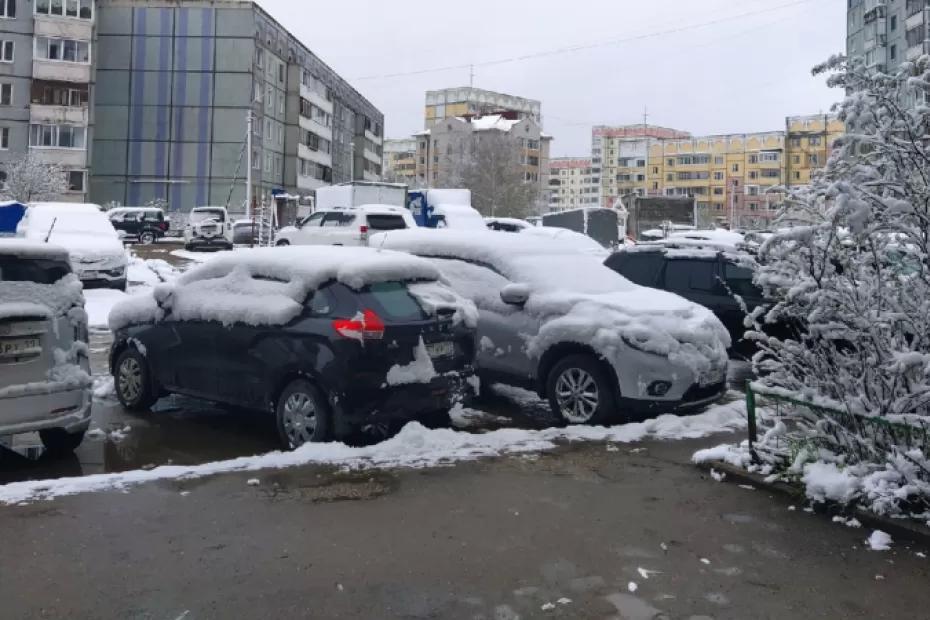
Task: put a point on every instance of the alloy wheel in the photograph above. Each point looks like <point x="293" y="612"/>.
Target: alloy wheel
<point x="130" y="379"/>
<point x="299" y="419"/>
<point x="577" y="395"/>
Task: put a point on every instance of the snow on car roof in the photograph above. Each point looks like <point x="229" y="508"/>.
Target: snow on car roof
<point x="72" y="207"/>
<point x="583" y="242"/>
<point x="267" y="286"/>
<point x="460" y="217"/>
<point x="508" y="220"/>
<point x="31" y="249"/>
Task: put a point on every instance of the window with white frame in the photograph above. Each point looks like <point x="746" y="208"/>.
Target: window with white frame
<point x="6" y="51"/>
<point x="769" y="156"/>
<point x="76" y="180"/>
<point x="57" y="136"/>
<point x="4" y="138"/>
<point x="8" y="9"/>
<point x="63" y="50"/>
<point x="6" y="93"/>
<point x="81" y="9"/>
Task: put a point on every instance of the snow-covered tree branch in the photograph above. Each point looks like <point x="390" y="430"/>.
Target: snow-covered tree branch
<point x="30" y="180"/>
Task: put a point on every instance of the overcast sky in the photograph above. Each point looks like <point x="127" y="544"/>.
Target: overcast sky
<point x="740" y="74"/>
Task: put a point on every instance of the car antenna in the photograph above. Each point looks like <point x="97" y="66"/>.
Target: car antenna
<point x="383" y="239"/>
<point x="50" y="229"/>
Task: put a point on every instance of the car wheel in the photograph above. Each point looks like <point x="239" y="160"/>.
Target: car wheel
<point x="303" y="415"/>
<point x="282" y="243"/>
<point x="147" y="238"/>
<point x="119" y="285"/>
<point x="436" y="419"/>
<point x="579" y="391"/>
<point x="133" y="381"/>
<point x="59" y="442"/>
<point x="188" y="247"/>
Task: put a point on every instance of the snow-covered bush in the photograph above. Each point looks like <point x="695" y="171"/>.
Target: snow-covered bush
<point x="852" y="277"/>
<point x="29" y="179"/>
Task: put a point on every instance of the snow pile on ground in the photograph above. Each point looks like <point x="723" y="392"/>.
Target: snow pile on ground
<point x="413" y="447"/>
<point x="894" y="486"/>
<point x="420" y="370"/>
<point x="879" y="541"/>
<point x="267" y="286"/>
<point x="99" y="303"/>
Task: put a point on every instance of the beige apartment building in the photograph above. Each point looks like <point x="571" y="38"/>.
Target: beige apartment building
<point x="400" y="161"/>
<point x="573" y="184"/>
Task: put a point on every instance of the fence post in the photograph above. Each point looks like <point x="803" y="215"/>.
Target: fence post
<point x="751" y="413"/>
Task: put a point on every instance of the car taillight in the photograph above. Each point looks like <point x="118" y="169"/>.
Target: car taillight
<point x="363" y="233"/>
<point x="163" y="226"/>
<point x="368" y="326"/>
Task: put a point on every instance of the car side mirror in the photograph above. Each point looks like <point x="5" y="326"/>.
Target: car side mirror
<point x="515" y="294"/>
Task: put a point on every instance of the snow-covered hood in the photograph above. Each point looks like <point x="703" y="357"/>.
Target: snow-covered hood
<point x="645" y="319"/>
<point x="91" y="248"/>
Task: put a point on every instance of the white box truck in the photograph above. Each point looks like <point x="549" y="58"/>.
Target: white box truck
<point x="359" y="193"/>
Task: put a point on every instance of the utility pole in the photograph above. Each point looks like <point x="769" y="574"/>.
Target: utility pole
<point x="248" y="168"/>
<point x="471" y="77"/>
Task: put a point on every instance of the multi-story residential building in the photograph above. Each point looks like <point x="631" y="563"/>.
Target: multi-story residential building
<point x="441" y="156"/>
<point x="573" y="184"/>
<point x="46" y="76"/>
<point x="177" y="80"/>
<point x="885" y="33"/>
<point x="400" y="160"/>
<point x="468" y="101"/>
<point x="809" y="142"/>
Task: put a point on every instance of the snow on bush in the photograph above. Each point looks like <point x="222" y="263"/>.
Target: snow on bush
<point x="850" y="272"/>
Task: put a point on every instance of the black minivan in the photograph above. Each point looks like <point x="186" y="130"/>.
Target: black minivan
<point x="370" y="351"/>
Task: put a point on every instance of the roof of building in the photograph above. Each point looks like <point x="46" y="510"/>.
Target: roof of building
<point x="491" y="122"/>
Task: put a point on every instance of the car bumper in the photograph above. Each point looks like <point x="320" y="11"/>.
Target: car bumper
<point x="694" y="399"/>
<point x="401" y="403"/>
<point x="212" y="241"/>
<point x="66" y="409"/>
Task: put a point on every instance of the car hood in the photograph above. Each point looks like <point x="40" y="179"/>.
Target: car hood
<point x="645" y="319"/>
<point x="90" y="247"/>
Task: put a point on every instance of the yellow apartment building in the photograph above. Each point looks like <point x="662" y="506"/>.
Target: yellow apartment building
<point x="809" y="142"/>
<point x="400" y="161"/>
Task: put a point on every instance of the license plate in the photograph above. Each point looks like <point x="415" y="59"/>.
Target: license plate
<point x="20" y="347"/>
<point x="440" y="349"/>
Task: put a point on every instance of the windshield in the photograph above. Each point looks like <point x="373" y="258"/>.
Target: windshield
<point x="578" y="273"/>
<point x="40" y="271"/>
<point x="199" y="216"/>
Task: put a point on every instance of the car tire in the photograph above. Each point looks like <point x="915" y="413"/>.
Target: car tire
<point x="580" y="392"/>
<point x="132" y="380"/>
<point x="436" y="419"/>
<point x="59" y="442"/>
<point x="299" y="401"/>
<point x="188" y="247"/>
<point x="147" y="238"/>
<point x="282" y="243"/>
<point x="120" y="285"/>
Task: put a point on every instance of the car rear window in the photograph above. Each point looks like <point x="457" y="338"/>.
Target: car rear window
<point x="692" y="275"/>
<point x="386" y="222"/>
<point x="40" y="271"/>
<point x="391" y="301"/>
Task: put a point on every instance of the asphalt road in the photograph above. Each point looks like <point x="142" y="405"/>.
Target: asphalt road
<point x="498" y="539"/>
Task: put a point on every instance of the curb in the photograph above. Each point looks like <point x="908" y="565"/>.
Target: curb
<point x="897" y="528"/>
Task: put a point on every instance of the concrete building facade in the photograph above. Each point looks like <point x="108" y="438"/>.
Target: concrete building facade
<point x="467" y="101"/>
<point x="573" y="184"/>
<point x="177" y="82"/>
<point x="885" y="33"/>
<point x="400" y="161"/>
<point x="47" y="85"/>
<point x="809" y="140"/>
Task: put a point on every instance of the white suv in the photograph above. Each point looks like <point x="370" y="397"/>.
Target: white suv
<point x="346" y="226"/>
<point x="208" y="227"/>
<point x="45" y="382"/>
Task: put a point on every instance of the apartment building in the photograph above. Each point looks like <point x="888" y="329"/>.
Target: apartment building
<point x="400" y="161"/>
<point x="467" y="101"/>
<point x="177" y="81"/>
<point x="46" y="77"/>
<point x="442" y="150"/>
<point x="885" y="33"/>
<point x="809" y="142"/>
<point x="573" y="184"/>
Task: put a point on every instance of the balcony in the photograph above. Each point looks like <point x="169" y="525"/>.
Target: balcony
<point x="58" y="71"/>
<point x="68" y="158"/>
<point x="58" y="114"/>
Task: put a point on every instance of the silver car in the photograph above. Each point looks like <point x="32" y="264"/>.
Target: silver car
<point x="557" y="321"/>
<point x="45" y="382"/>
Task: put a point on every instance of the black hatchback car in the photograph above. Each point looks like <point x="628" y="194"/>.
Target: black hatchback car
<point x="143" y="224"/>
<point x="330" y="340"/>
<point x="706" y="277"/>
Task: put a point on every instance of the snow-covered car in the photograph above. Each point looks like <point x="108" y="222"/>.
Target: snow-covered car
<point x="348" y="226"/>
<point x="98" y="256"/>
<point x="583" y="243"/>
<point x="506" y="224"/>
<point x="330" y="340"/>
<point x="458" y="217"/>
<point x="45" y="382"/>
<point x="208" y="228"/>
<point x="558" y="321"/>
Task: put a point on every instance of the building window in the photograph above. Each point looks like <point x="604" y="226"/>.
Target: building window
<point x="814" y="160"/>
<point x="56" y="136"/>
<point x="753" y="174"/>
<point x="45" y="93"/>
<point x="719" y="161"/>
<point x="83" y="9"/>
<point x="671" y="162"/>
<point x="718" y="176"/>
<point x="76" y="180"/>
<point x="4" y="138"/>
<point x="797" y="176"/>
<point x="256" y="160"/>
<point x="815" y="141"/>
<point x="6" y="94"/>
<point x="718" y="191"/>
<point x="796" y="159"/>
<point x="64" y="50"/>
<point x="6" y="51"/>
<point x="8" y="9"/>
<point x="894" y="23"/>
<point x="796" y="142"/>
<point x="735" y="167"/>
